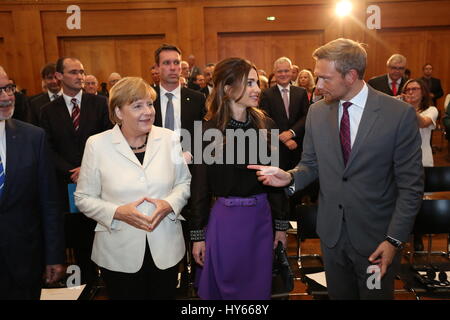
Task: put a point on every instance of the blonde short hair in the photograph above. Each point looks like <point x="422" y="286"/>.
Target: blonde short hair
<point x="346" y="55"/>
<point x="128" y="90"/>
<point x="311" y="82"/>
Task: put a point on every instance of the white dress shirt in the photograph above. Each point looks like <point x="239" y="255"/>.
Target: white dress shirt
<point x="355" y="111"/>
<point x="68" y="101"/>
<point x="51" y="94"/>
<point x="176" y="100"/>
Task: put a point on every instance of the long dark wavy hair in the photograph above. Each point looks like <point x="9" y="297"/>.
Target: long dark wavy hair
<point x="232" y="72"/>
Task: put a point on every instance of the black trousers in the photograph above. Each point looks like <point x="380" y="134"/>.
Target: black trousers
<point x="149" y="283"/>
<point x="11" y="290"/>
<point x="347" y="273"/>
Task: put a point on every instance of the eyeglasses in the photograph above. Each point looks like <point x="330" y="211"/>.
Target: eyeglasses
<point x="9" y="89"/>
<point x="414" y="89"/>
<point x="397" y="68"/>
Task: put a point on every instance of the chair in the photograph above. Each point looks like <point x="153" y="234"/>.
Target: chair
<point x="306" y="216"/>
<point x="437" y="179"/>
<point x="306" y="228"/>
<point x="433" y="218"/>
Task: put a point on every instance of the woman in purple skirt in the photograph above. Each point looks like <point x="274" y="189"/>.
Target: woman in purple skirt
<point x="234" y="240"/>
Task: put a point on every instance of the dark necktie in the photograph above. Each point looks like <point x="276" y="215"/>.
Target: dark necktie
<point x="169" y="120"/>
<point x="344" y="132"/>
<point x="75" y="114"/>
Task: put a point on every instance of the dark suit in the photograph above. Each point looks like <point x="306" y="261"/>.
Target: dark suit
<point x="205" y="91"/>
<point x="37" y="103"/>
<point x="435" y="87"/>
<point x="68" y="148"/>
<point x="192" y="109"/>
<point x="381" y="83"/>
<point x="21" y="107"/>
<point x="272" y="103"/>
<point x="31" y="224"/>
<point x="377" y="194"/>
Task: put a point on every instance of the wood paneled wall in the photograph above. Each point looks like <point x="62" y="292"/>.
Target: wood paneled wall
<point x="121" y="35"/>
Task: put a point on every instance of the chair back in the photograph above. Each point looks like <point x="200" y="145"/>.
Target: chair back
<point x="433" y="217"/>
<point x="437" y="179"/>
<point x="306" y="221"/>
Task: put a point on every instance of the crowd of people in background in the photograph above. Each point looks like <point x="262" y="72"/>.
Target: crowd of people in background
<point x="113" y="140"/>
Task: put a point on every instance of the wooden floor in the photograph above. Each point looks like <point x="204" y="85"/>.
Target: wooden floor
<point x="312" y="246"/>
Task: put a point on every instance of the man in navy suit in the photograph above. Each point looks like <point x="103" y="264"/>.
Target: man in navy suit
<point x="69" y="121"/>
<point x="31" y="224"/>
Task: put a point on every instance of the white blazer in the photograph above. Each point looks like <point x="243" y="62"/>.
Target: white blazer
<point x="111" y="176"/>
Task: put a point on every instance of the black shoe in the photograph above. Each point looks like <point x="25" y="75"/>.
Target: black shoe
<point x="418" y="244"/>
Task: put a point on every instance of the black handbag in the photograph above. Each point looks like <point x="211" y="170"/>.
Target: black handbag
<point x="282" y="268"/>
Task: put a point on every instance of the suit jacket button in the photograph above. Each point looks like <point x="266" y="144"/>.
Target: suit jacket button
<point x="340" y="206"/>
<point x="344" y="179"/>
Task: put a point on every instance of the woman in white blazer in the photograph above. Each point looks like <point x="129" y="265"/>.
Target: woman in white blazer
<point x="134" y="183"/>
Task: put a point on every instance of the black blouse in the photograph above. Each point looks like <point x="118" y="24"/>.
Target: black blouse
<point x="231" y="179"/>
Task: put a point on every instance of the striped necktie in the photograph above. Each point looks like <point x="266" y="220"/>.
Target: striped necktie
<point x="2" y="178"/>
<point x="75" y="114"/>
<point x="344" y="132"/>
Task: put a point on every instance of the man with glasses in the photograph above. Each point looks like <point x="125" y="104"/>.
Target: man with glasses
<point x="392" y="82"/>
<point x="69" y="121"/>
<point x="31" y="225"/>
<point x="53" y="91"/>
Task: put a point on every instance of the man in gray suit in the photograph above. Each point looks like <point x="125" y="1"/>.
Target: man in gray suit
<point x="365" y="148"/>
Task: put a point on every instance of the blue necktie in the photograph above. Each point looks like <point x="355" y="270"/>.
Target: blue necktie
<point x="2" y="177"/>
<point x="169" y="120"/>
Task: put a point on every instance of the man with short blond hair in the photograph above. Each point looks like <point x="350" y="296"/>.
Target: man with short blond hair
<point x="365" y="148"/>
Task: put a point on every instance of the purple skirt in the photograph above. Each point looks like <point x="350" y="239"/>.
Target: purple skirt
<point x="239" y="246"/>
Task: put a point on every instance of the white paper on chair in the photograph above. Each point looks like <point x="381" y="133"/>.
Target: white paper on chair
<point x="318" y="277"/>
<point x="72" y="293"/>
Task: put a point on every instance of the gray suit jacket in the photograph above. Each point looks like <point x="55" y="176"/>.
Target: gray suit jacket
<point x="379" y="192"/>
